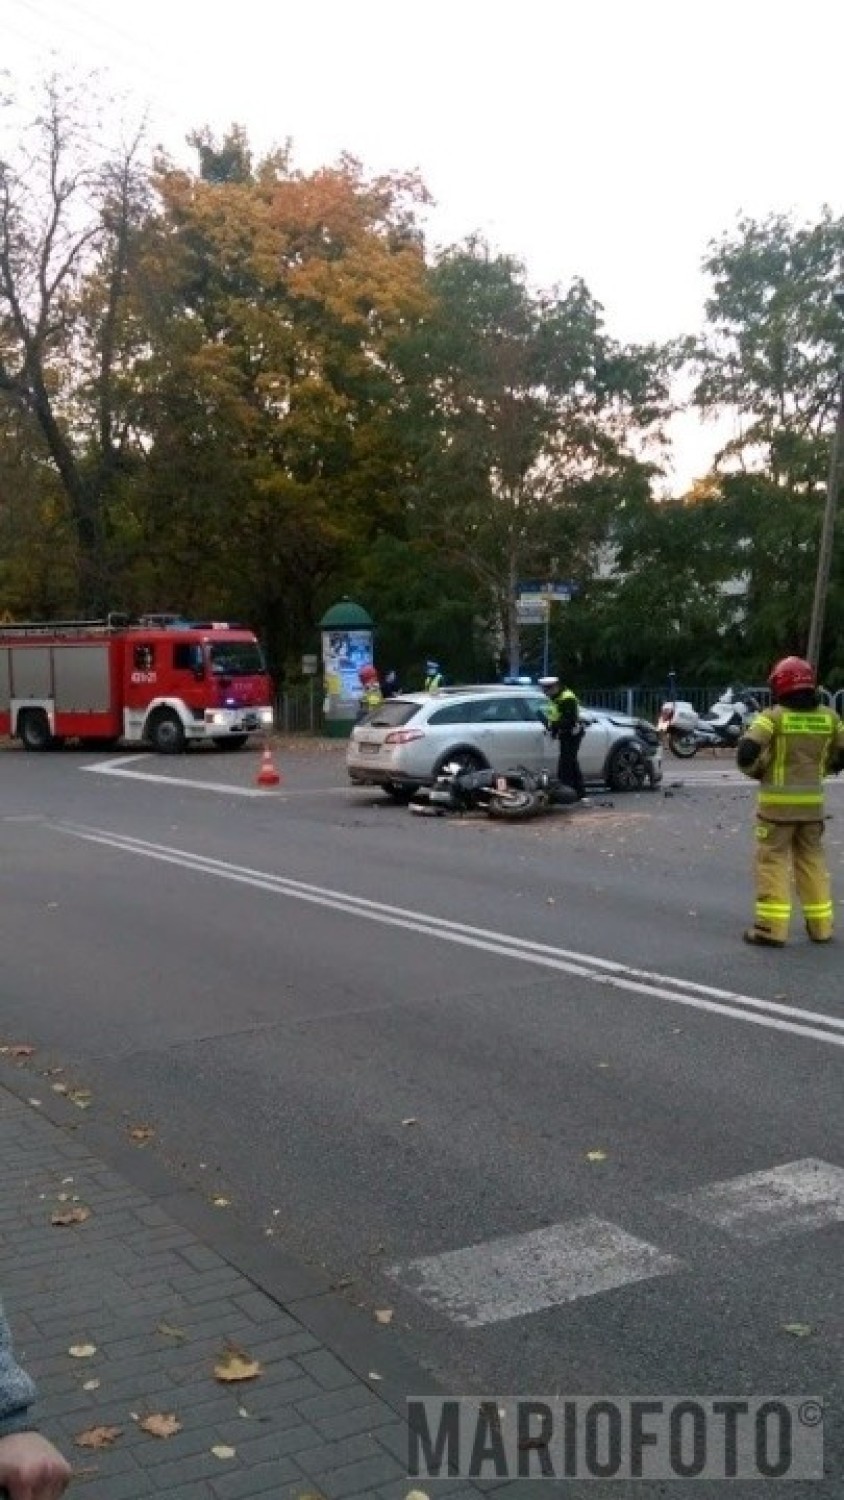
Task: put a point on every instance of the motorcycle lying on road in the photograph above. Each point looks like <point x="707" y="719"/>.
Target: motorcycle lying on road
<point x="687" y="731"/>
<point x="517" y="793"/>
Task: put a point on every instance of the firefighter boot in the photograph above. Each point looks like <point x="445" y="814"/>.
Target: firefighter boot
<point x="761" y="938"/>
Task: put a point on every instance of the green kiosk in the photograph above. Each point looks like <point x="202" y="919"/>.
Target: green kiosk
<point x="347" y="645"/>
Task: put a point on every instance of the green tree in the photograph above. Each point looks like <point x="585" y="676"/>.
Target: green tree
<point x="525" y="415"/>
<point x="272" y="300"/>
<point x="769" y="356"/>
<point x="68" y="215"/>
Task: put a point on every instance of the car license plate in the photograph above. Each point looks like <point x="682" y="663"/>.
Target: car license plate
<point x="501" y="783"/>
<point x="368" y="747"/>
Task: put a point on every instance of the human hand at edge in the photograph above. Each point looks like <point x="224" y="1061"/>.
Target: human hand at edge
<point x="31" y="1468"/>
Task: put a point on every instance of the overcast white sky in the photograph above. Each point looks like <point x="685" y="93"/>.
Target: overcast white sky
<point x="606" y="138"/>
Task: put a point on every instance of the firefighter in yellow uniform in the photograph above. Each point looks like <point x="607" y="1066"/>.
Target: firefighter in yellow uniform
<point x="788" y="749"/>
<point x="371" y="696"/>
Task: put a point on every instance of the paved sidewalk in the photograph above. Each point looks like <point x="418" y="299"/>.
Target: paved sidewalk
<point x="155" y="1308"/>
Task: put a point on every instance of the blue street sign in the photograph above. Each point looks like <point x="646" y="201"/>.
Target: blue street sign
<point x="549" y="588"/>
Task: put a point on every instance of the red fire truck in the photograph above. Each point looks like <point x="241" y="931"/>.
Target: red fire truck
<point x="157" y="679"/>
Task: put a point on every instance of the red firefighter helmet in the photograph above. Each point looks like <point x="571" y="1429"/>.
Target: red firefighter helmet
<point x="790" y="675"/>
<point x="367" y="675"/>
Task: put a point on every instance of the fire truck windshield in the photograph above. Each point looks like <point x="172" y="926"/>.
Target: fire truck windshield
<point x="236" y="659"/>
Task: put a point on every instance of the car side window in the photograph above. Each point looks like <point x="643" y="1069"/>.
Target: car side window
<point x="501" y="711"/>
<point x="453" y="713"/>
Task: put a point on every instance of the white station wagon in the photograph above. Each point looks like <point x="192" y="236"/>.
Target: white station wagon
<point x="407" y="740"/>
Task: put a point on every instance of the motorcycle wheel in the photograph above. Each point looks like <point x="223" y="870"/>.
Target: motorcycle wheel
<point x="516" y="803"/>
<point x="682" y="744"/>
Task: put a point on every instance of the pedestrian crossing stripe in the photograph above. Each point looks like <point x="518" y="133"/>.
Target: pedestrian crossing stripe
<point x="527" y="1273"/>
<point x="518" y="1274"/>
<point x="763" y="1206"/>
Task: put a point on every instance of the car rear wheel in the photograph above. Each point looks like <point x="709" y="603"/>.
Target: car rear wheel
<point x="466" y="760"/>
<point x="627" y="771"/>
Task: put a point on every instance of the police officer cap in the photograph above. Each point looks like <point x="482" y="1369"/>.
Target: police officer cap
<point x="548" y="681"/>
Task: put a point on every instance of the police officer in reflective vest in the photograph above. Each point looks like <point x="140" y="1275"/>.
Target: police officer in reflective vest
<point x="433" y="676"/>
<point x="371" y="696"/>
<point x="563" y="720"/>
<point x="788" y="749"/>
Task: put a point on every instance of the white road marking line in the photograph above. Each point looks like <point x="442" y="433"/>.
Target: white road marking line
<point x="115" y="765"/>
<point x="115" y="768"/>
<point x="763" y="1206"/>
<point x="527" y="1273"/>
<point x="768" y="1013"/>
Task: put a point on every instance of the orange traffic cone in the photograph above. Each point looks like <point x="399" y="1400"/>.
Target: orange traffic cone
<point x="267" y="773"/>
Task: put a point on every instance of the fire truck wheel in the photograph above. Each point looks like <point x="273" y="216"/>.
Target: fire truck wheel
<point x="167" y="733"/>
<point x="34" y="730"/>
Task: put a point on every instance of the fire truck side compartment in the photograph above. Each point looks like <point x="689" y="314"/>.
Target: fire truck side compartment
<point x="31" y="676"/>
<point x="81" y="679"/>
<point x="5" y="695"/>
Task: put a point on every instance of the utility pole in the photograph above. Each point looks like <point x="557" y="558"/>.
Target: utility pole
<point x="833" y="484"/>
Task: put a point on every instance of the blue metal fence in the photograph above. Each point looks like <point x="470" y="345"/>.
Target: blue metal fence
<point x="299" y="709"/>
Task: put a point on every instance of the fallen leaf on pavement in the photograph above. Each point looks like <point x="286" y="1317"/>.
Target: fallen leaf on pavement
<point x="235" y="1364"/>
<point x="222" y="1451"/>
<point x="384" y="1315"/>
<point x="59" y="1088"/>
<point x="18" y="1049"/>
<point x="91" y="1385"/>
<point x="798" y="1330"/>
<point x="373" y="1375"/>
<point x="220" y="1202"/>
<point x="411" y="1120"/>
<point x="161" y="1424"/>
<point x="596" y="1156"/>
<point x="169" y="1332"/>
<point x="81" y="1098"/>
<point x="141" y="1133"/>
<point x="98" y="1437"/>
<point x="416" y="1495"/>
<point x="82" y="1351"/>
<point x="65" y="1216"/>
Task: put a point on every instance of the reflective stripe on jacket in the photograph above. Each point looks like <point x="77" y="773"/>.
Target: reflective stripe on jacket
<point x="796" y="749"/>
<point x="370" y="699"/>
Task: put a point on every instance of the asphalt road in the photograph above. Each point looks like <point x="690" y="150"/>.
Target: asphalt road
<point x="521" y="1084"/>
